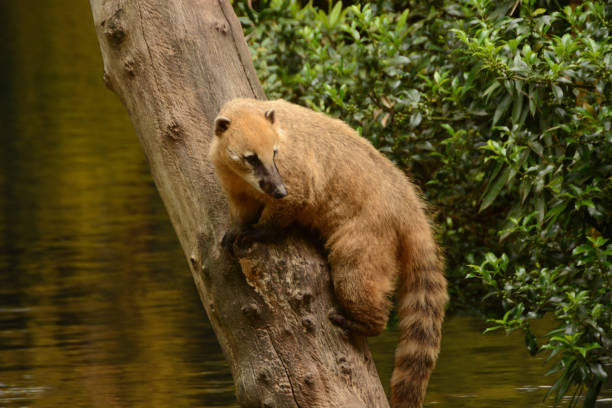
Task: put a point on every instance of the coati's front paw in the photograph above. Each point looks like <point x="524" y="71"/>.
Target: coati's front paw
<point x="257" y="234"/>
<point x="227" y="242"/>
<point x="237" y="241"/>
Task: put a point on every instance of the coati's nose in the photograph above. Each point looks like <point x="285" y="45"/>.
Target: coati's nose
<point x="274" y="190"/>
<point x="279" y="192"/>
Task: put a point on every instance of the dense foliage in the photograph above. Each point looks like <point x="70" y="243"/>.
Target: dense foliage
<point x="501" y="111"/>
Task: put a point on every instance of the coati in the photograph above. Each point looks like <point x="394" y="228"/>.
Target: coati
<point x="281" y="163"/>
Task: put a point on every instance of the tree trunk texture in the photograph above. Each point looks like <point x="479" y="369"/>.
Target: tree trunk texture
<point x="173" y="64"/>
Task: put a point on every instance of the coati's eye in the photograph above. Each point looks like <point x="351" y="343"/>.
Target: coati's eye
<point x="252" y="159"/>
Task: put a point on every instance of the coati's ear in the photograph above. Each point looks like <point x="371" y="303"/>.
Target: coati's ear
<point x="270" y="115"/>
<point x="221" y="125"/>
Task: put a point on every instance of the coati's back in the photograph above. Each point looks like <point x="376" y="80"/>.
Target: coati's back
<point x="374" y="224"/>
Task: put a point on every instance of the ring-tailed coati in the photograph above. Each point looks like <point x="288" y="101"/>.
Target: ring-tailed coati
<point x="281" y="163"/>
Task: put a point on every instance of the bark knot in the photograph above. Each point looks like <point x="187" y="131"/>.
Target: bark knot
<point x="174" y="131"/>
<point x="309" y="379"/>
<point x="221" y="27"/>
<point x="308" y="323"/>
<point x="130" y="67"/>
<point x="345" y="366"/>
<point x="107" y="81"/>
<point x="251" y="311"/>
<point x="263" y="377"/>
<point x="114" y="29"/>
<point x="301" y="300"/>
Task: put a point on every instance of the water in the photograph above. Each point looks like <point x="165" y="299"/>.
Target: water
<point x="97" y="306"/>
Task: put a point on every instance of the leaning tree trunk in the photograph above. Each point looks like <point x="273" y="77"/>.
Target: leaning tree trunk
<point x="173" y="64"/>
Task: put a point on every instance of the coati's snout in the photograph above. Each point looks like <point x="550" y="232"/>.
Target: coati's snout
<point x="268" y="179"/>
<point x="275" y="191"/>
<point x="272" y="187"/>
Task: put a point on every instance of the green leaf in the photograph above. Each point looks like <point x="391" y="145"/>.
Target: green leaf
<point x="495" y="189"/>
<point x="501" y="108"/>
<point x="334" y="15"/>
<point x="538" y="11"/>
<point x="491" y="258"/>
<point x="517" y="108"/>
<point x="531" y="343"/>
<point x="415" y="120"/>
<point x="591" y="396"/>
<point x="598" y="241"/>
<point x="401" y="21"/>
<point x="448" y="128"/>
<point x="491" y="88"/>
<point x="524" y="189"/>
<point x="536" y="147"/>
<point x="561" y="385"/>
<point x="540" y="207"/>
<point x="534" y="96"/>
<point x="556" y="210"/>
<point x="492" y="328"/>
<point x="599" y="371"/>
<point x="558" y="92"/>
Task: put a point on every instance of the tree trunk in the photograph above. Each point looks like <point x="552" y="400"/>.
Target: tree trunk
<point x="173" y="64"/>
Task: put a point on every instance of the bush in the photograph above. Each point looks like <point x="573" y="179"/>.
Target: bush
<point x="501" y="112"/>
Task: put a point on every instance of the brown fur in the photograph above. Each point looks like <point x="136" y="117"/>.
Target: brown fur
<point x="368" y="212"/>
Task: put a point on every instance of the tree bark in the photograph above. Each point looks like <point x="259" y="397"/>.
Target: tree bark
<point x="173" y="64"/>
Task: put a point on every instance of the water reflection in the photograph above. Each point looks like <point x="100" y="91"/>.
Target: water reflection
<point x="476" y="371"/>
<point x="97" y="307"/>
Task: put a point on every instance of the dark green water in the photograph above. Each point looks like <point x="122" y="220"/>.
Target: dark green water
<point x="97" y="306"/>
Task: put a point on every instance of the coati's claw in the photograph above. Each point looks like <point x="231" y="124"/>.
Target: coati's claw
<point x="258" y="234"/>
<point x="236" y="241"/>
<point x="227" y="242"/>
